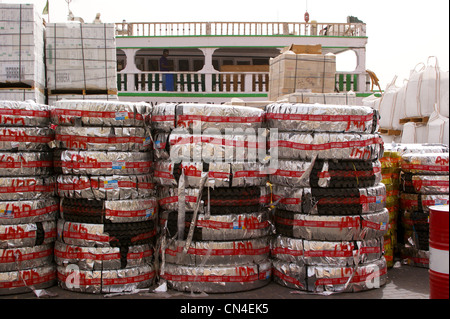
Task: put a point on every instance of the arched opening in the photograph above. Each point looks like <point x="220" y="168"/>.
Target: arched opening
<point x="121" y="60"/>
<point x="346" y="61"/>
<point x="224" y="57"/>
<point x="183" y="60"/>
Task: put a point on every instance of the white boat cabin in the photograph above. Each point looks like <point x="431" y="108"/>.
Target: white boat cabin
<point x="214" y="62"/>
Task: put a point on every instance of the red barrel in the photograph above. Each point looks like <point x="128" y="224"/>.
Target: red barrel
<point x="439" y="253"/>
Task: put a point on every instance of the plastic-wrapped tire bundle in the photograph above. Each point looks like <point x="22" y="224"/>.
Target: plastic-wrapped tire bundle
<point x="329" y="204"/>
<point x="28" y="205"/>
<point x="108" y="221"/>
<point x="424" y="182"/>
<point x="215" y="235"/>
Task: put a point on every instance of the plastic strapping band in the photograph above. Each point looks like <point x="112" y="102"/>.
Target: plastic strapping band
<point x="356" y="175"/>
<point x="82" y="54"/>
<point x="181" y="206"/>
<point x="305" y="176"/>
<point x="20" y="43"/>
<point x="194" y="217"/>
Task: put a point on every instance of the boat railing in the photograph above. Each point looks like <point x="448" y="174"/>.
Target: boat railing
<point x="221" y="82"/>
<point x="161" y="29"/>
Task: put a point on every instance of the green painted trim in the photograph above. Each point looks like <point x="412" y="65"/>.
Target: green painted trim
<point x="229" y="95"/>
<point x="240" y="36"/>
<point x="222" y="46"/>
<point x="377" y="94"/>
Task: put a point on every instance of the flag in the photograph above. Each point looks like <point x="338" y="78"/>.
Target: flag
<point x="45" y="11"/>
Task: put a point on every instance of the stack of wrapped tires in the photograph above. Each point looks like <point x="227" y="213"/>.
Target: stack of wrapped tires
<point x="424" y="182"/>
<point x="28" y="205"/>
<point x="329" y="204"/>
<point x="108" y="210"/>
<point x="214" y="234"/>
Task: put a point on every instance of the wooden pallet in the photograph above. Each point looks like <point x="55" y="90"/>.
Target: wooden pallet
<point x="420" y="120"/>
<point x="82" y="92"/>
<point x="390" y="132"/>
<point x="28" y="88"/>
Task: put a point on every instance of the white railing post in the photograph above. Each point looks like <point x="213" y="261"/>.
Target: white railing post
<point x="248" y="82"/>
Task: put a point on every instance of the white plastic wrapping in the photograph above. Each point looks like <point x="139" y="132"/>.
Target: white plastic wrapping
<point x="103" y="163"/>
<point x="100" y="113"/>
<point x="218" y="279"/>
<point x="24" y="114"/>
<point x="338" y="146"/>
<point x="114" y="187"/>
<point x="321" y="118"/>
<point x="124" y="139"/>
<point x="105" y="281"/>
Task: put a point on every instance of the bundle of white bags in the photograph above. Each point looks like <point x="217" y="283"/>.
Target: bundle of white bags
<point x="424" y="94"/>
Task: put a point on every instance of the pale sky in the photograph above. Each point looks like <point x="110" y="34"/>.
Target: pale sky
<point x="401" y="33"/>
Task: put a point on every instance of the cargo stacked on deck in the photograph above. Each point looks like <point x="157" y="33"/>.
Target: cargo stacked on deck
<point x="80" y="61"/>
<point x="329" y="204"/>
<point x="28" y="205"/>
<point x="290" y="72"/>
<point x="424" y="182"/>
<point x="22" y="65"/>
<point x="215" y="237"/>
<point x="108" y="222"/>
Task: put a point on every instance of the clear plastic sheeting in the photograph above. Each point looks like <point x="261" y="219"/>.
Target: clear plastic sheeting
<point x="218" y="279"/>
<point x="27" y="188"/>
<point x="28" y="211"/>
<point x="337" y="146"/>
<point x="218" y="253"/>
<point x="105" y="281"/>
<point x="27" y="235"/>
<point x="322" y="118"/>
<point x="339" y="253"/>
<point x="100" y="113"/>
<point x="27" y="280"/>
<point x="332" y="228"/>
<point x="26" y="257"/>
<point x="100" y="235"/>
<point x="123" y="139"/>
<point x="103" y="163"/>
<point x="226" y="227"/>
<point x="26" y="163"/>
<point x="25" y="139"/>
<point x="102" y="258"/>
<point x="425" y="163"/>
<point x="202" y="117"/>
<point x="114" y="187"/>
<point x="24" y="114"/>
<point x="331" y="278"/>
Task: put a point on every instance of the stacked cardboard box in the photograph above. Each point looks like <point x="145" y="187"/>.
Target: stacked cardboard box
<point x="290" y="72"/>
<point x="81" y="57"/>
<point x="21" y="52"/>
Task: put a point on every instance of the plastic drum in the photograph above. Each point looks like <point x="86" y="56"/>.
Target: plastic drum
<point x="439" y="252"/>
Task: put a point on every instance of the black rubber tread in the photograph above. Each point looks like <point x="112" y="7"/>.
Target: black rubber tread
<point x="172" y="226"/>
<point x="339" y="201"/>
<point x="234" y="196"/>
<point x="40" y="234"/>
<point x="83" y="210"/>
<point x="224" y="210"/>
<point x="343" y="174"/>
<point x="420" y="239"/>
<point x="123" y="233"/>
<point x="286" y="230"/>
<point x="406" y="183"/>
<point x="418" y="219"/>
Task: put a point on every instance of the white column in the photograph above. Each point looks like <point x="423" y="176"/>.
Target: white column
<point x="208" y="68"/>
<point x="130" y="68"/>
<point x="361" y="68"/>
